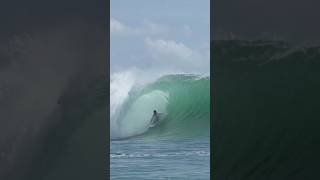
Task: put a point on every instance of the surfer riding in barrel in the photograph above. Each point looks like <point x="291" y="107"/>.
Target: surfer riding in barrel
<point x="155" y="117"/>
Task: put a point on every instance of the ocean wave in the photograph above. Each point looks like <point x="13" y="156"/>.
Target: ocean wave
<point x="184" y="98"/>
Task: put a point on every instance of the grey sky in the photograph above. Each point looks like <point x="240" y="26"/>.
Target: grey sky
<point x="290" y="20"/>
<point x="167" y="34"/>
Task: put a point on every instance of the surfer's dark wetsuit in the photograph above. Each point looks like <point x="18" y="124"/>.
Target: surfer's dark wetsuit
<point x="155" y="117"/>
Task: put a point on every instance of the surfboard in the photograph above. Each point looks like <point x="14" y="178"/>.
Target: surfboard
<point x="154" y="122"/>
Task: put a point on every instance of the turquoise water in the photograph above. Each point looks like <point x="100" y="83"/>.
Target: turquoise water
<point x="184" y="98"/>
<point x="150" y="160"/>
<point x="179" y="146"/>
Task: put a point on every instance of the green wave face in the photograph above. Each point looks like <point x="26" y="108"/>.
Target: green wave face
<point x="185" y="101"/>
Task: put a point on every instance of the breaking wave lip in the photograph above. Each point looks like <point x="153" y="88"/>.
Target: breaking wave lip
<point x="184" y="98"/>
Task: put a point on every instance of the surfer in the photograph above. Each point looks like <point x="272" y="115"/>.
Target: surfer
<point x="155" y="117"/>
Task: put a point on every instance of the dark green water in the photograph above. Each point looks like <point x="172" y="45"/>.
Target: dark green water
<point x="266" y="115"/>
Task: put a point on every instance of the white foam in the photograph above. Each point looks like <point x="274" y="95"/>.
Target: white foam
<point x="123" y="84"/>
<point x="120" y="86"/>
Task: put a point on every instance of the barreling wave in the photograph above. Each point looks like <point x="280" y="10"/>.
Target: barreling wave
<point x="266" y="114"/>
<point x="183" y="98"/>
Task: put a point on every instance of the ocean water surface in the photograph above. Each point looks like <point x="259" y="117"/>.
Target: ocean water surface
<point x="163" y="159"/>
<point x="178" y="147"/>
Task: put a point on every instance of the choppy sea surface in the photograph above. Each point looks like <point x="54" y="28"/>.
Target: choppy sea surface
<point x="164" y="159"/>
